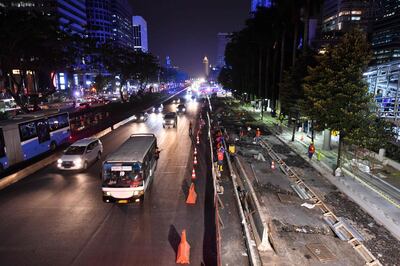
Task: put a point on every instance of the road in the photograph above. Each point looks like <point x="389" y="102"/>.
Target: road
<point x="57" y="217"/>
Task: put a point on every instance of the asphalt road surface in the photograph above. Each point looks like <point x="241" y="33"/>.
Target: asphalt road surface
<point x="58" y="217"/>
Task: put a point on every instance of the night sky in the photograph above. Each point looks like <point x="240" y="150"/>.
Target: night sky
<point x="186" y="30"/>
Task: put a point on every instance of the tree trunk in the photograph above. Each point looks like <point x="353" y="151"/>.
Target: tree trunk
<point x="273" y="90"/>
<point x="267" y="81"/>
<point x="295" y="36"/>
<point x="294" y="130"/>
<point x="282" y="63"/>
<point x="260" y="71"/>
<point x="306" y="22"/>
<point x="338" y="163"/>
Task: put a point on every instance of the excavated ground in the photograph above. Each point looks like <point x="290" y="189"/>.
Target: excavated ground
<point x="289" y="219"/>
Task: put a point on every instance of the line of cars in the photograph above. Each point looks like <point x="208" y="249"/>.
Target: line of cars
<point x="83" y="152"/>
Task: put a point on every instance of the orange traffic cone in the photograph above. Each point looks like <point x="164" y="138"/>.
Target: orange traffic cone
<point x="193" y="174"/>
<point x="195" y="151"/>
<point x="273" y="165"/>
<point x="195" y="160"/>
<point x="183" y="255"/>
<point x="191" y="199"/>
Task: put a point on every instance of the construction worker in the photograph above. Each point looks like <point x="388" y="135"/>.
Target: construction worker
<point x="311" y="150"/>
<point x="258" y="135"/>
<point x="220" y="158"/>
<point x="190" y="128"/>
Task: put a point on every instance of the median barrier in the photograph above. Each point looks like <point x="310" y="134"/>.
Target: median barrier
<point x="260" y="221"/>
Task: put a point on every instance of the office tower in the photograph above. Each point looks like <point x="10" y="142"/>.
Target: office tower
<point x="71" y="14"/>
<point x="222" y="41"/>
<point x="386" y="34"/>
<point x="340" y="16"/>
<point x="122" y="23"/>
<point x="140" y="41"/>
<point x="110" y="21"/>
<point x="261" y="3"/>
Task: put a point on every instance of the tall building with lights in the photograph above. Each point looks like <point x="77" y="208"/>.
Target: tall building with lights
<point x="259" y="3"/>
<point x="71" y="14"/>
<point x="110" y="21"/>
<point x="340" y="16"/>
<point x="222" y="41"/>
<point x="386" y="34"/>
<point x="140" y="41"/>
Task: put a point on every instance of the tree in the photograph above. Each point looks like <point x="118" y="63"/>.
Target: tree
<point x="146" y="69"/>
<point x="32" y="43"/>
<point x="336" y="96"/>
<point x="100" y="82"/>
<point x="291" y="87"/>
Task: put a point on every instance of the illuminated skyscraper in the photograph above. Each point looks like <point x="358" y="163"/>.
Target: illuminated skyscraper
<point x="110" y="21"/>
<point x="257" y="3"/>
<point x="386" y="34"/>
<point x="140" y="41"/>
<point x="222" y="40"/>
<point x="206" y="66"/>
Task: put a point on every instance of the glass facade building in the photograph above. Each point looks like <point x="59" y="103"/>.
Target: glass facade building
<point x="340" y="16"/>
<point x="257" y="3"/>
<point x="222" y="41"/>
<point x="384" y="83"/>
<point x="386" y="35"/>
<point x="110" y="21"/>
<point x="140" y="41"/>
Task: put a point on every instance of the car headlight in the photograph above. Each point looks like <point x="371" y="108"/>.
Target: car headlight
<point x="134" y="117"/>
<point x="142" y="117"/>
<point x="183" y="109"/>
<point x="78" y="161"/>
<point x="59" y="161"/>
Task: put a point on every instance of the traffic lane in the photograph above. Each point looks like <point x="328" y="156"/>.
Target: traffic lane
<point x="54" y="210"/>
<point x="154" y="228"/>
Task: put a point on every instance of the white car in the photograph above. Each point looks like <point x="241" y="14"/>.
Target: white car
<point x="80" y="154"/>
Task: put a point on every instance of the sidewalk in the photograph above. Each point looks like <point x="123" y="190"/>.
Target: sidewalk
<point x="375" y="204"/>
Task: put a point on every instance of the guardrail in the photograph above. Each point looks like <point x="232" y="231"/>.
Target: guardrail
<point x="15" y="177"/>
<point x="253" y="254"/>
<point x="216" y="207"/>
<point x="260" y="219"/>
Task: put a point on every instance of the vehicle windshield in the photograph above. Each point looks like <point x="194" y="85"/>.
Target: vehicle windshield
<point x="169" y="116"/>
<point x="181" y="106"/>
<point x="142" y="114"/>
<point x="75" y="150"/>
<point x="122" y="175"/>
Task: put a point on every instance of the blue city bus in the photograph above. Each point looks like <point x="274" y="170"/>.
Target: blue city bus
<point x="26" y="136"/>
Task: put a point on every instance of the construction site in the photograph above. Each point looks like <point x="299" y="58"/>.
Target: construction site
<point x="290" y="212"/>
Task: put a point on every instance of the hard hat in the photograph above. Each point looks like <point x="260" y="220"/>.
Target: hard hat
<point x="258" y="129"/>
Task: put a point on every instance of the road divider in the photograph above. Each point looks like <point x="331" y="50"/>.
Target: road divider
<point x="259" y="217"/>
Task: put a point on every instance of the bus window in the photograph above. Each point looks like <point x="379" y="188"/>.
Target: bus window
<point x="42" y="129"/>
<point x="27" y="131"/>
<point x="2" y="144"/>
<point x="58" y="122"/>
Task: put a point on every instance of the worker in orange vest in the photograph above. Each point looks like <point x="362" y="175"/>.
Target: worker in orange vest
<point x="220" y="158"/>
<point x="311" y="150"/>
<point x="258" y="135"/>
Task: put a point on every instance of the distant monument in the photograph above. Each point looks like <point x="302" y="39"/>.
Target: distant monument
<point x="206" y="66"/>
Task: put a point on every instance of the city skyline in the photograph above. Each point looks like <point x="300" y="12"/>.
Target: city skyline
<point x="186" y="30"/>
